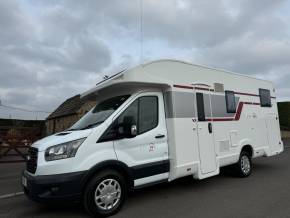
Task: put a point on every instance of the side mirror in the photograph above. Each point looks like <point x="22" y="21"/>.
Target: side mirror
<point x="128" y="128"/>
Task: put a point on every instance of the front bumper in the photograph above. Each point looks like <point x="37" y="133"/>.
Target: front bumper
<point x="53" y="187"/>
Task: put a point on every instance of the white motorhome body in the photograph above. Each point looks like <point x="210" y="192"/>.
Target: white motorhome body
<point x="190" y="120"/>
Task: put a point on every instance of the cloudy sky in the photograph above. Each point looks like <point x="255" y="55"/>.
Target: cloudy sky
<point x="52" y="50"/>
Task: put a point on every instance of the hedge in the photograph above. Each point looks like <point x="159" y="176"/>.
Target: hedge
<point x="284" y="114"/>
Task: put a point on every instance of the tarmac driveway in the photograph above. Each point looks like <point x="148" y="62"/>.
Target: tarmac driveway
<point x="264" y="194"/>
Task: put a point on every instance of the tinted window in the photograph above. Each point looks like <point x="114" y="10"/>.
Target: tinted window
<point x="148" y="113"/>
<point x="131" y="111"/>
<point x="112" y="132"/>
<point x="265" y="97"/>
<point x="230" y="102"/>
<point x="200" y="107"/>
<point x="144" y="112"/>
<point x="100" y="112"/>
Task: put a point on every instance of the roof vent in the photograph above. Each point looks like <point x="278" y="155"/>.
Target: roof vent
<point x="218" y="87"/>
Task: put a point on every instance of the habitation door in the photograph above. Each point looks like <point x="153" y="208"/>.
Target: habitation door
<point x="205" y="134"/>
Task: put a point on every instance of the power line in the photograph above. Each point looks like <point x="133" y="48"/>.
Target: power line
<point x="22" y="109"/>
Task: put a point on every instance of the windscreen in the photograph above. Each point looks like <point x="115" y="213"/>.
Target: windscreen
<point x="99" y="113"/>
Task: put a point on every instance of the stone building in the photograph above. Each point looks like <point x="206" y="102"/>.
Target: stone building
<point x="67" y="114"/>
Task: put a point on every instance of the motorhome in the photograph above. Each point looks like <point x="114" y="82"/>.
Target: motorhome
<point x="155" y="123"/>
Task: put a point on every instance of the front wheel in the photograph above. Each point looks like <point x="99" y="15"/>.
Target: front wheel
<point x="244" y="167"/>
<point x="105" y="194"/>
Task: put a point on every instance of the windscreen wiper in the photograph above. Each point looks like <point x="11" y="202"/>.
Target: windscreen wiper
<point x="91" y="125"/>
<point x="72" y="129"/>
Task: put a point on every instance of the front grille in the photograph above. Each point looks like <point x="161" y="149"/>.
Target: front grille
<point x="31" y="163"/>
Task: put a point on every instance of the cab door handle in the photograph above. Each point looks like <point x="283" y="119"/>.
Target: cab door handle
<point x="159" y="136"/>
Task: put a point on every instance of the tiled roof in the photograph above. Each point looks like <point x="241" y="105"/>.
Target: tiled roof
<point x="70" y="106"/>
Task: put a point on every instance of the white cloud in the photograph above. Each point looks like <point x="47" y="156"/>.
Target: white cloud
<point x="51" y="50"/>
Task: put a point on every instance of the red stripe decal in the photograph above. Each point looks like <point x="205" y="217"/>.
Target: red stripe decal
<point x="201" y="84"/>
<point x="248" y="94"/>
<point x="237" y="116"/>
<point x="183" y="87"/>
<point x="239" y="110"/>
<point x="238" y="113"/>
<point x="205" y="89"/>
<point x="190" y="87"/>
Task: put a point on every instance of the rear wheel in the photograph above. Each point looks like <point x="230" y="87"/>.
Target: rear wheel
<point x="244" y="167"/>
<point x="105" y="194"/>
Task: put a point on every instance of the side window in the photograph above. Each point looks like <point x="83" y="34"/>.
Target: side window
<point x="131" y="111"/>
<point x="265" y="97"/>
<point x="143" y="111"/>
<point x="148" y="113"/>
<point x="200" y="107"/>
<point x="230" y="101"/>
<point x="112" y="132"/>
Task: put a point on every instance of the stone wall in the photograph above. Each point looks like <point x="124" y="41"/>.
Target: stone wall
<point x="62" y="123"/>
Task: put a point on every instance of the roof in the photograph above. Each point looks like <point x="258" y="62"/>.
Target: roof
<point x="203" y="66"/>
<point x="70" y="106"/>
<point x="163" y="72"/>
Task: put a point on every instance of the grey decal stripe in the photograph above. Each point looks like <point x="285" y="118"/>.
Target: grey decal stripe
<point x="181" y="105"/>
<point x="219" y="109"/>
<point x="150" y="169"/>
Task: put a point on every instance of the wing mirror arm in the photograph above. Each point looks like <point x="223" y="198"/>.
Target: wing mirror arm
<point x="128" y="128"/>
<point x="133" y="130"/>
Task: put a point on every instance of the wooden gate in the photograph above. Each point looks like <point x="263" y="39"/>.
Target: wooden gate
<point x="14" y="146"/>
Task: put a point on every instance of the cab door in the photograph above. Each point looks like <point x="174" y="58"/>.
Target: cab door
<point x="205" y="134"/>
<point x="146" y="153"/>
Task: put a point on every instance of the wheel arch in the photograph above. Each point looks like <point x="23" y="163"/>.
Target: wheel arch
<point x="116" y="165"/>
<point x="248" y="148"/>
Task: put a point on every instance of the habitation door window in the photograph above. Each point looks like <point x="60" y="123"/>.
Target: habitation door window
<point x="230" y="102"/>
<point x="200" y="107"/>
<point x="265" y="97"/>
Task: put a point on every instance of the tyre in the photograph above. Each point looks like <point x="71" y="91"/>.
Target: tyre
<point x="105" y="194"/>
<point x="244" y="167"/>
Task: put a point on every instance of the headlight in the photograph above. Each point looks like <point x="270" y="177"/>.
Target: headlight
<point x="64" y="150"/>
